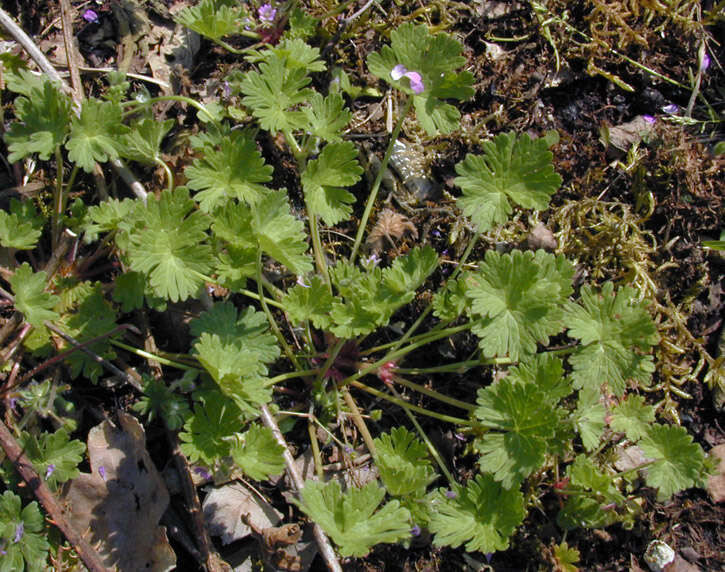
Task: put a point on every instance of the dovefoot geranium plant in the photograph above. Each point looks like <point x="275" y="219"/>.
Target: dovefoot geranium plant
<point x="300" y="314"/>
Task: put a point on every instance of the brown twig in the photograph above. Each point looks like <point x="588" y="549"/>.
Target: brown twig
<point x="51" y="505"/>
<point x="323" y="543"/>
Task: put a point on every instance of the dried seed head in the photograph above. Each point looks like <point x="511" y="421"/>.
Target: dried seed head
<point x="391" y="226"/>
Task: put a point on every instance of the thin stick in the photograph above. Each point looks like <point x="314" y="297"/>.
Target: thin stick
<point x="51" y="505"/>
<point x="323" y="543"/>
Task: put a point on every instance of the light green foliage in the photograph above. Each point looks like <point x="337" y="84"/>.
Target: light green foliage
<point x="324" y="178"/>
<point x="435" y="58"/>
<point x="593" y="490"/>
<point x="159" y="400"/>
<point x="269" y="227"/>
<point x="43" y="117"/>
<point x="483" y="514"/>
<point x="97" y="135"/>
<point x="235" y="350"/>
<point x="632" y="417"/>
<point x="128" y="290"/>
<point x="235" y="170"/>
<point x="107" y="216"/>
<point x="234" y="265"/>
<point x="589" y="417"/>
<point x="616" y="332"/>
<point x="546" y="372"/>
<point x="212" y="18"/>
<point x="403" y="463"/>
<point x="521" y="421"/>
<point x="566" y="558"/>
<point x="678" y="462"/>
<point x="517" y="300"/>
<point x="273" y="93"/>
<point x="31" y="299"/>
<point x="350" y="518"/>
<point x="54" y="450"/>
<point x="170" y="246"/>
<point x="90" y="316"/>
<point x="21" y="226"/>
<point x="512" y="168"/>
<point x="370" y="298"/>
<point x="311" y="302"/>
<point x="257" y="452"/>
<point x="207" y="433"/>
<point x="450" y="301"/>
<point x="327" y="117"/>
<point x="295" y="54"/>
<point x="142" y="144"/>
<point x="301" y="25"/>
<point x="22" y="535"/>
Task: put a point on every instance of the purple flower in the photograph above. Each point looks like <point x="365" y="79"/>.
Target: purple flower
<point x="90" y="16"/>
<point x="671" y="109"/>
<point x="202" y="472"/>
<point x="102" y="472"/>
<point x="416" y="81"/>
<point x="705" y="63"/>
<point x="301" y="282"/>
<point x="415" y="531"/>
<point x="49" y="471"/>
<point x="649" y="119"/>
<point x="266" y="13"/>
<point x="19" y="531"/>
<point x="451" y="494"/>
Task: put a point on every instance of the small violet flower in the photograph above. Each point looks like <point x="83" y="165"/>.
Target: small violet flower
<point x="705" y="63"/>
<point x="301" y="282"/>
<point x="19" y="531"/>
<point x="416" y="81"/>
<point x="451" y="494"/>
<point x="649" y="119"/>
<point x="102" y="472"/>
<point x="90" y="16"/>
<point x="671" y="109"/>
<point x="49" y="471"/>
<point x="266" y="13"/>
<point x="415" y="531"/>
<point x="202" y="472"/>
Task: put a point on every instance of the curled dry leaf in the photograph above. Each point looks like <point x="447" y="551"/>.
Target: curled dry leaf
<point x="390" y="226"/>
<point x="121" y="501"/>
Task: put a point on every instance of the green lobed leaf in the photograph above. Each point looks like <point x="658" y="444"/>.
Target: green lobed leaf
<point x="235" y="350"/>
<point x="22" y="535"/>
<point x="616" y="332"/>
<point x="483" y="514"/>
<point x="451" y="301"/>
<point x="352" y="518"/>
<point x="89" y="316"/>
<point x="517" y="300"/>
<point x="235" y="170"/>
<point x="589" y="417"/>
<point x="213" y="19"/>
<point x="546" y="372"/>
<point x="274" y="92"/>
<point x="55" y="456"/>
<point x="171" y="247"/>
<point x="309" y="303"/>
<point x="678" y="461"/>
<point x="327" y="116"/>
<point x="632" y="417"/>
<point x="403" y="463"/>
<point x="435" y="58"/>
<point x="521" y="421"/>
<point x="31" y="299"/>
<point x="511" y="169"/>
<point x="324" y="178"/>
<point x="107" y="216"/>
<point x="142" y="144"/>
<point x="295" y="54"/>
<point x="159" y="400"/>
<point x="42" y="123"/>
<point x="206" y="435"/>
<point x="97" y="135"/>
<point x="21" y="226"/>
<point x="258" y="453"/>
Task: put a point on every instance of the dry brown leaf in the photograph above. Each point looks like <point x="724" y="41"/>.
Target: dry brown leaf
<point x="122" y="500"/>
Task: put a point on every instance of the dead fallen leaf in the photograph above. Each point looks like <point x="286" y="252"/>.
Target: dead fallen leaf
<point x="390" y="225"/>
<point x="716" y="483"/>
<point x="122" y="500"/>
